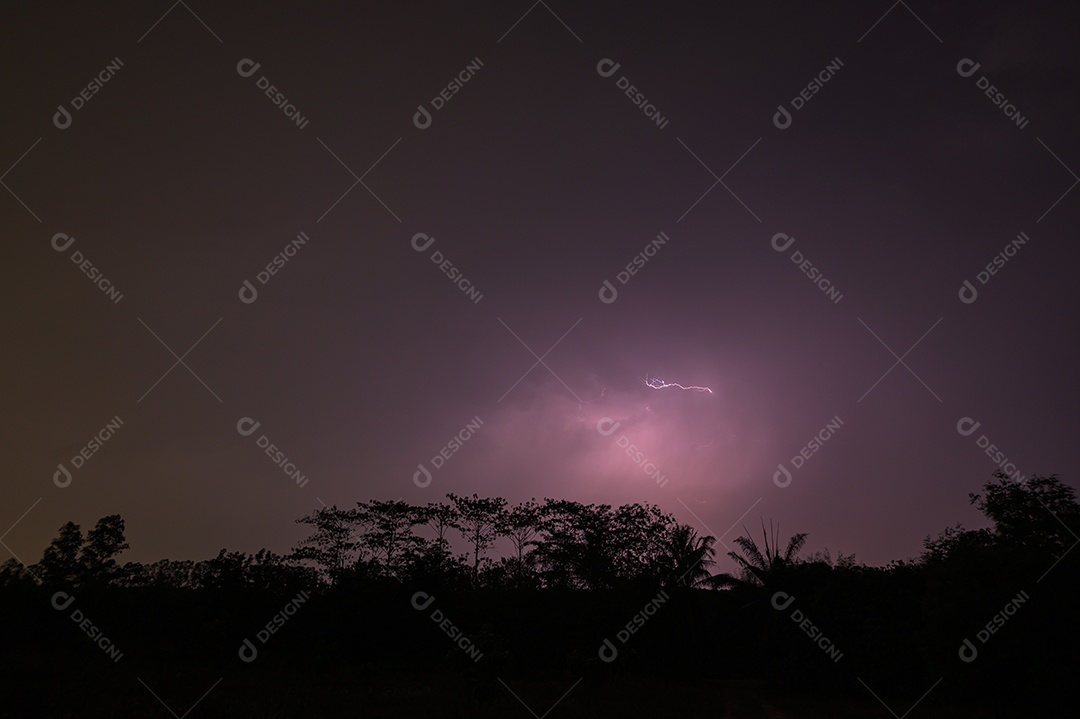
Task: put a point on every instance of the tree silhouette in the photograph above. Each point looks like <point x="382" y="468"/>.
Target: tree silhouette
<point x="479" y="522"/>
<point x="576" y="551"/>
<point x="521" y="525"/>
<point x="1036" y="514"/>
<point x="612" y="557"/>
<point x="441" y="518"/>
<point x="72" y="559"/>
<point x="389" y="534"/>
<point x="228" y="570"/>
<point x="758" y="568"/>
<point x="689" y="558"/>
<point x="641" y="534"/>
<point x="60" y="562"/>
<point x="12" y="572"/>
<point x="330" y="543"/>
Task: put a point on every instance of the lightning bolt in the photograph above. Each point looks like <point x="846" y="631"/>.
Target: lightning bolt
<point x="655" y="383"/>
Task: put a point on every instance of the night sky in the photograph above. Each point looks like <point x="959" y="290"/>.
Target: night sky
<point x="540" y="179"/>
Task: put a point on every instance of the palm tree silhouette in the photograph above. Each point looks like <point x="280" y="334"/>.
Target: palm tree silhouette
<point x="690" y="557"/>
<point x="758" y="568"/>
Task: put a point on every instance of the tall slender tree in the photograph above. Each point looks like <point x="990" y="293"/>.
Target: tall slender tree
<point x="330" y="544"/>
<point x="389" y="534"/>
<point x="479" y="523"/>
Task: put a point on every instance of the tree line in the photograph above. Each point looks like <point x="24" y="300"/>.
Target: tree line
<point x="530" y="545"/>
<point x="550" y="544"/>
<point x="553" y="544"/>
<point x="539" y="586"/>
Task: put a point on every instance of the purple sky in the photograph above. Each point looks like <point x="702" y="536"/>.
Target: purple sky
<point x="539" y="179"/>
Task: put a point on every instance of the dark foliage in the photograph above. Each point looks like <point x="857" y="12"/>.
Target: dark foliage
<point x="389" y="620"/>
